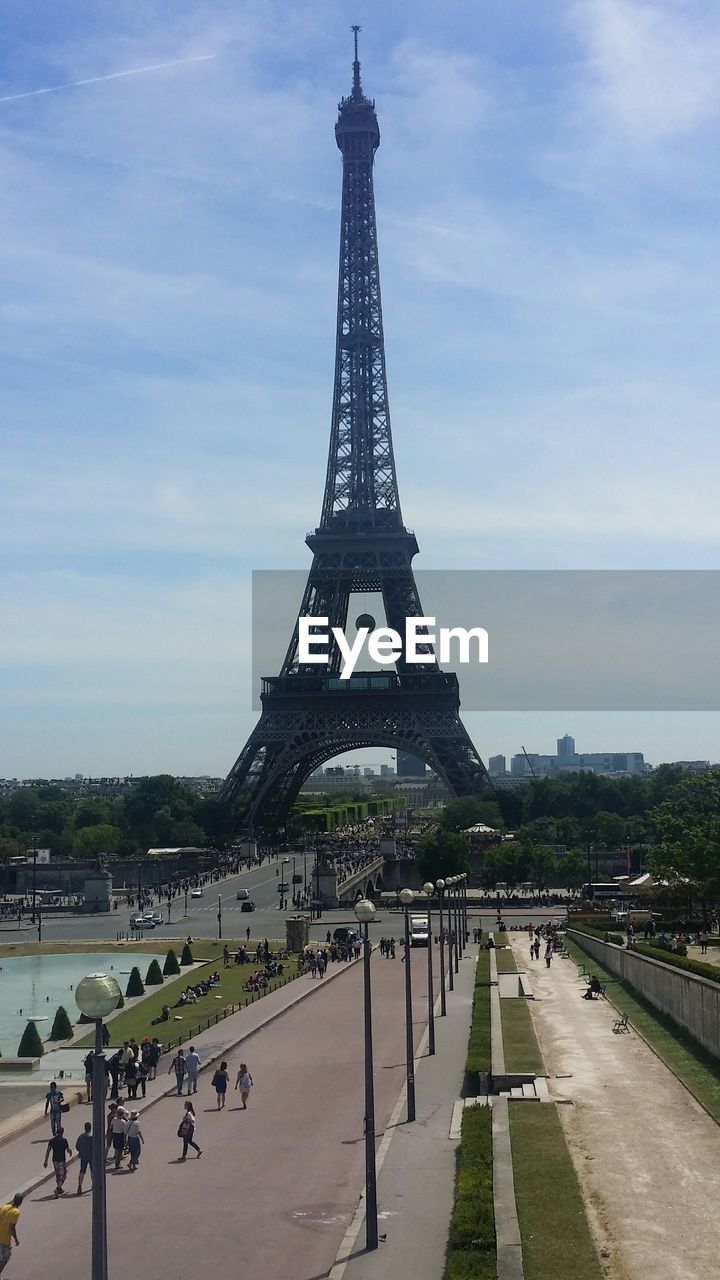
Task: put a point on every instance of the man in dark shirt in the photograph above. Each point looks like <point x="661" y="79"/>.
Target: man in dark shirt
<point x="83" y="1146"/>
<point x="53" y="1103"/>
<point x="59" y="1147"/>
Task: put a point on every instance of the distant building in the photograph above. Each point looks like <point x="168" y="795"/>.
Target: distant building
<point x="497" y="766"/>
<point x="408" y="766"/>
<point x="566" y="749"/>
<point x="387" y="771"/>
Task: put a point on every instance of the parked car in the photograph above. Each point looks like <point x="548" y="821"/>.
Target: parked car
<point x="243" y="895"/>
<point x="155" y="916"/>
<point x="196" y="893"/>
<point x="345" y="933"/>
<point x="247" y="905"/>
<point x="141" y="922"/>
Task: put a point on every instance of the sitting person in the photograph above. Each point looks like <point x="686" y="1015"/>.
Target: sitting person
<point x="594" y="988"/>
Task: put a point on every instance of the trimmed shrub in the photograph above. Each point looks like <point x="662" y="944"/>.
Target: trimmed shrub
<point x="30" y="1044"/>
<point x="153" y="977"/>
<point x="62" y="1026"/>
<point x="135" y="983"/>
<point x="478" y="1055"/>
<point x="187" y="955"/>
<point x="679" y="961"/>
<point x="171" y="963"/>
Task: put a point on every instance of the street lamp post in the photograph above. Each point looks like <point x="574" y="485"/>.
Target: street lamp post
<point x="458" y="911"/>
<point x="406" y="898"/>
<point x="456" y="929"/>
<point x="429" y="889"/>
<point x="34" y="876"/>
<point x="465" y="909"/>
<point x="364" y="912"/>
<point x="219" y="915"/>
<point x="451" y="939"/>
<point x="186" y="894"/>
<point x="440" y="886"/>
<point x="97" y="996"/>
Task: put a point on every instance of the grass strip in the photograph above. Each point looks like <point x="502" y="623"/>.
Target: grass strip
<point x="680" y="1051"/>
<point x="522" y="1052"/>
<point x="471" y="1241"/>
<point x="505" y="960"/>
<point x="137" y="1022"/>
<point x="556" y="1238"/>
<point x="157" y="945"/>
<point x="479" y="1050"/>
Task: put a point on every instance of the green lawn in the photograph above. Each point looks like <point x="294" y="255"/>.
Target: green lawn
<point x="156" y="945"/>
<point x="556" y="1238"/>
<point x="471" y="1240"/>
<point x="136" y="1022"/>
<point x="505" y="960"/>
<point x="522" y="1052"/>
<point x="697" y="1068"/>
<point x="479" y="1054"/>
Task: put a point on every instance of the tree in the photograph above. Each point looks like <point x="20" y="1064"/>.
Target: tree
<point x="92" y="813"/>
<point x="62" y="1026"/>
<point x="441" y="854"/>
<point x="153" y="977"/>
<point x="171" y="963"/>
<point x="187" y="955"/>
<point x="687" y="828"/>
<point x="30" y="1044"/>
<point x="465" y="811"/>
<point x="135" y="983"/>
<point x="101" y="838"/>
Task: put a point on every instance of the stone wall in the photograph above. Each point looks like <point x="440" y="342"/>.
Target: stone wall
<point x="691" y="1001"/>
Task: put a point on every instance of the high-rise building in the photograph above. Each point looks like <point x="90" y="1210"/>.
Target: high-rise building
<point x="497" y="766"/>
<point x="408" y="766"/>
<point x="565" y="749"/>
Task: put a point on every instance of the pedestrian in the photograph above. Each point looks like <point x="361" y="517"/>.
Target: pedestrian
<point x="178" y="1066"/>
<point x="548" y="955"/>
<point x="9" y="1215"/>
<point x="220" y="1083"/>
<point x="134" y="1140"/>
<point x="105" y="1036"/>
<point x="154" y="1055"/>
<point x="59" y="1148"/>
<point x="131" y="1078"/>
<point x="83" y="1146"/>
<point x="247" y="934"/>
<point x="88" y="1062"/>
<point x="186" y="1131"/>
<point x="703" y="940"/>
<point x="392" y="948"/>
<point x="117" y="1128"/>
<point x="192" y="1065"/>
<point x="142" y="1072"/>
<point x="226" y="956"/>
<point x="113" y="1067"/>
<point x="312" y="963"/>
<point x="244" y="1083"/>
<point x="108" y="1127"/>
<point x="536" y="947"/>
<point x="54" y="1100"/>
<point x="321" y="964"/>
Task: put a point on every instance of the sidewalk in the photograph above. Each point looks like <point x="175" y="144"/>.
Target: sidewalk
<point x="646" y="1154"/>
<point x="278" y="1184"/>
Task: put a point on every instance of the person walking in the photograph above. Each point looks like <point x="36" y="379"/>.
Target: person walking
<point x="247" y="934"/>
<point x="88" y="1061"/>
<point x="108" y="1127"/>
<point x="117" y="1128"/>
<point x="142" y="1072"/>
<point x="178" y="1065"/>
<point x="312" y="964"/>
<point x="192" y="1065"/>
<point x="244" y="1082"/>
<point x="321" y="964"/>
<point x="9" y="1215"/>
<point x="154" y="1054"/>
<point x="83" y="1146"/>
<point x="131" y="1078"/>
<point x="220" y="1084"/>
<point x="54" y="1099"/>
<point x="186" y="1131"/>
<point x="59" y="1148"/>
<point x="548" y="955"/>
<point x="134" y="1139"/>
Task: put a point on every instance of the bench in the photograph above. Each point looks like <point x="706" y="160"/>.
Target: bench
<point x="621" y="1024"/>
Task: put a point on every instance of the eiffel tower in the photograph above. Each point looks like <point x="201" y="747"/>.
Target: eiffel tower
<point x="361" y="545"/>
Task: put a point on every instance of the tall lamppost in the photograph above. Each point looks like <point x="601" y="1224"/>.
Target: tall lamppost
<point x="456" y="926"/>
<point x="440" y="887"/>
<point x="406" y="898"/>
<point x="97" y="996"/>
<point x="466" y="931"/>
<point x="364" y="913"/>
<point x="458" y="916"/>
<point x="219" y="918"/>
<point x="429" y="889"/>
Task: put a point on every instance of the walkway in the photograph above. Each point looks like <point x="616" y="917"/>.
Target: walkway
<point x="278" y="1185"/>
<point x="648" y="1157"/>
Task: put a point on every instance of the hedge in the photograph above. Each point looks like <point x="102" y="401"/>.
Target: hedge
<point x="62" y="1026"/>
<point x="30" y="1044"/>
<point x="187" y="955"/>
<point x="678" y="961"/>
<point x="171" y="963"/>
<point x="602" y="934"/>
<point x="153" y="977"/>
<point x="471" y="1239"/>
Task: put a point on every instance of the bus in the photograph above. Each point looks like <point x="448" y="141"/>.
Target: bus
<point x="603" y="892"/>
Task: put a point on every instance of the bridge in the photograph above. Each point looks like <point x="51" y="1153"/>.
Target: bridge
<point x="357" y="885"/>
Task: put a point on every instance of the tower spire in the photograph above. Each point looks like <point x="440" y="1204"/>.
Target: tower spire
<point x="357" y="87"/>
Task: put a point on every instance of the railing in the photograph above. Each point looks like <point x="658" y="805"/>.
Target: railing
<point x="213" y="1019"/>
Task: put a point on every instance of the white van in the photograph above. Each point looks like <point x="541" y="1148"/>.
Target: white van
<point x="242" y="895"/>
<point x="418" y="931"/>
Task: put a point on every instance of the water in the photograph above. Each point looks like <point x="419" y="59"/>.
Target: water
<point x="34" y="986"/>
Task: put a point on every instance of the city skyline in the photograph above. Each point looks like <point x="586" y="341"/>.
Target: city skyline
<point x="171" y="248"/>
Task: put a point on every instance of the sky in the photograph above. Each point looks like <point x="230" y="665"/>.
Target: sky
<point x="546" y="201"/>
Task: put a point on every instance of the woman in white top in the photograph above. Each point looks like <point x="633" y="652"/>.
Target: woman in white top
<point x="244" y="1082"/>
<point x="134" y="1139"/>
<point x="186" y="1131"/>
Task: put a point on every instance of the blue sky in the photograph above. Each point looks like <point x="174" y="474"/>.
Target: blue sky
<point x="546" y="194"/>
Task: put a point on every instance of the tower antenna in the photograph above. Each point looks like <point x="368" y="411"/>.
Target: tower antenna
<point x="357" y="89"/>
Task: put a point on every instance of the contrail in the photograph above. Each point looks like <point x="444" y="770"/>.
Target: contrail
<point x="115" y="75"/>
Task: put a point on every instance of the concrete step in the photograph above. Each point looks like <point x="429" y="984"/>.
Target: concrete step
<point x="528" y="1091"/>
<point x="517" y="1093"/>
<point x="541" y="1089"/>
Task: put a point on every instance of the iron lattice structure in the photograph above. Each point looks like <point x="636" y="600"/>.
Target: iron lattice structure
<point x="360" y="545"/>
